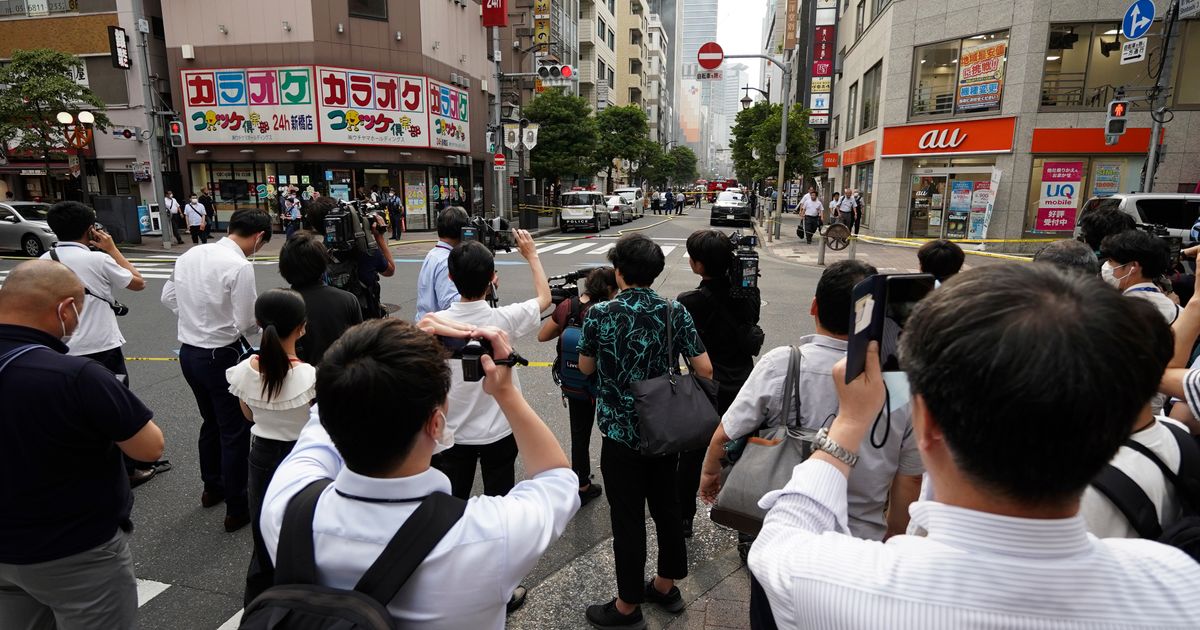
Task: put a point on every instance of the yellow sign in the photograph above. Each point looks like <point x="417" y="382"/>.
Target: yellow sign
<point x="821" y="84"/>
<point x="541" y="8"/>
<point x="541" y="34"/>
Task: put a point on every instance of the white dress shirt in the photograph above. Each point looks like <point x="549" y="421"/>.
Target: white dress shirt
<point x="973" y="570"/>
<point x="469" y="576"/>
<point x="212" y="291"/>
<point x="171" y="204"/>
<point x="1151" y="293"/>
<point x="812" y="207"/>
<point x="1103" y="518"/>
<point x="473" y="415"/>
<point x="98" y="330"/>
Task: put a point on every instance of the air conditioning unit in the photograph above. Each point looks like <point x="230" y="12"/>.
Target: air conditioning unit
<point x="466" y="82"/>
<point x="838" y="60"/>
<point x="454" y="78"/>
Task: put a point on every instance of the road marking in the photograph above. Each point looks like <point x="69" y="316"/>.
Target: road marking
<point x="670" y="248"/>
<point x="602" y="249"/>
<point x="148" y="590"/>
<point x="233" y="622"/>
<point x="577" y="248"/>
<point x="552" y="246"/>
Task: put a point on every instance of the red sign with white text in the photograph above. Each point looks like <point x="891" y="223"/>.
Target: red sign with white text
<point x="495" y="13"/>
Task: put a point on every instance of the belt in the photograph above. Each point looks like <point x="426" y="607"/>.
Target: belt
<point x="236" y="345"/>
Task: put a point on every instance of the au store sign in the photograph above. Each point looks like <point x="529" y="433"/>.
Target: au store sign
<point x="379" y="108"/>
<point x="1059" y="198"/>
<point x="249" y="105"/>
<point x="993" y="135"/>
<point x="449" y="118"/>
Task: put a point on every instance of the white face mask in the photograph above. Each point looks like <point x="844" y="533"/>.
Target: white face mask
<point x="1107" y="273"/>
<point x="66" y="338"/>
<point x="445" y="439"/>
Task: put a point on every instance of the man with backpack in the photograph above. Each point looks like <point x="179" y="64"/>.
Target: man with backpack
<point x="357" y="505"/>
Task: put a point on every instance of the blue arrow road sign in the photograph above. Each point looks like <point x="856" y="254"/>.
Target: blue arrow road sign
<point x="1137" y="20"/>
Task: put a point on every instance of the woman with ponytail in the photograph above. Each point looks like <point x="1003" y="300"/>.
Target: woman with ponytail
<point x="275" y="389"/>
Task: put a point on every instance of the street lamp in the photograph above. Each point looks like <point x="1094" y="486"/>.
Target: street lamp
<point x="78" y="134"/>
<point x="746" y="100"/>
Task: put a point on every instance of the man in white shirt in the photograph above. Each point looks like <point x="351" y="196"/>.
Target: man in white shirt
<point x="1133" y="260"/>
<point x="212" y="291"/>
<point x="813" y="211"/>
<point x="1009" y="462"/>
<point x="171" y="205"/>
<point x="435" y="291"/>
<point x="845" y="208"/>
<point x="378" y="455"/>
<point x="195" y="215"/>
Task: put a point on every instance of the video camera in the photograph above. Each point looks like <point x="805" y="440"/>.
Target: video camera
<point x="352" y="226"/>
<point x="567" y="286"/>
<point x="471" y="352"/>
<point x="743" y="268"/>
<point x="494" y="234"/>
<point x="1174" y="243"/>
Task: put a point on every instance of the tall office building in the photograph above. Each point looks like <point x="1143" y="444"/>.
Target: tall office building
<point x="632" y="52"/>
<point x="699" y="25"/>
<point x="669" y="13"/>
<point x="598" y="52"/>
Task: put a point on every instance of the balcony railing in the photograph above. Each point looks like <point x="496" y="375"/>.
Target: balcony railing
<point x="1071" y="90"/>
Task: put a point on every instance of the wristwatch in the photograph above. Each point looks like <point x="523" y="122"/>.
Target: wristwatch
<point x="822" y="443"/>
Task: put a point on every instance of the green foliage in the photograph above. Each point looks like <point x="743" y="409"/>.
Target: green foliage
<point x="37" y="86"/>
<point x="746" y="122"/>
<point x="683" y="164"/>
<point x="757" y="129"/>
<point x="623" y="135"/>
<point x="566" y="136"/>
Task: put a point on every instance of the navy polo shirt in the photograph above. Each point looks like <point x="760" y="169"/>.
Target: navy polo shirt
<point x="65" y="488"/>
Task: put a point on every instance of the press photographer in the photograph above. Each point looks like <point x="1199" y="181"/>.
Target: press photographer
<point x="359" y="255"/>
<point x="435" y="292"/>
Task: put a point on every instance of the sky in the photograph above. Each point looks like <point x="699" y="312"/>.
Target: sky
<point x="739" y="30"/>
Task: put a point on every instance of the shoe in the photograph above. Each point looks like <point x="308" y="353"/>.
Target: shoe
<point x="210" y="498"/>
<point x="593" y="491"/>
<point x="671" y="602"/>
<point x="687" y="528"/>
<point x="139" y="476"/>
<point x="234" y="522"/>
<point x="517" y="600"/>
<point x="606" y="616"/>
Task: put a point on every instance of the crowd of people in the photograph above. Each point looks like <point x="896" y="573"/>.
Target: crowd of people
<point x="1031" y="466"/>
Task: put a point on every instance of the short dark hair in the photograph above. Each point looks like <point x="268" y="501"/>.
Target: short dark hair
<point x="1101" y="223"/>
<point x="834" y="293"/>
<point x="70" y="220"/>
<point x="1151" y="252"/>
<point x="451" y="221"/>
<point x="1069" y="254"/>
<point x="638" y="258"/>
<point x="249" y="222"/>
<point x="303" y="259"/>
<point x="1067" y="370"/>
<point x="601" y="283"/>
<point x="363" y="374"/>
<point x="471" y="267"/>
<point x="711" y="249"/>
<point x="314" y="215"/>
<point x="940" y="258"/>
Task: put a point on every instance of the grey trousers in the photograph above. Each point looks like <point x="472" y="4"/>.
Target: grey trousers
<point x="91" y="589"/>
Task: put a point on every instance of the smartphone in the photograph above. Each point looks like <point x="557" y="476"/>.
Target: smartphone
<point x="881" y="306"/>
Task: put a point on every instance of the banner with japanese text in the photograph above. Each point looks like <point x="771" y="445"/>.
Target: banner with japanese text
<point x="449" y="122"/>
<point x="249" y="105"/>
<point x="981" y="76"/>
<point x="1059" y="198"/>
<point x="366" y="107"/>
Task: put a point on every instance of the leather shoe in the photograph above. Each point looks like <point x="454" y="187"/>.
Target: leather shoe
<point x="517" y="600"/>
<point x="234" y="522"/>
<point x="139" y="476"/>
<point x="209" y="499"/>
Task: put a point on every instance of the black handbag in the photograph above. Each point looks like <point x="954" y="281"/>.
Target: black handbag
<point x="676" y="412"/>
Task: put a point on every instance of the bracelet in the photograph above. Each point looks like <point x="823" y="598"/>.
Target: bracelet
<point x="823" y="443"/>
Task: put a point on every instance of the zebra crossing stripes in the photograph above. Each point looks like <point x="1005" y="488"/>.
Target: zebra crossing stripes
<point x="577" y="248"/>
<point x="149" y="589"/>
<point x="587" y="247"/>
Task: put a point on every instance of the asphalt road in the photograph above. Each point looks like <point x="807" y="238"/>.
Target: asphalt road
<point x="191" y="573"/>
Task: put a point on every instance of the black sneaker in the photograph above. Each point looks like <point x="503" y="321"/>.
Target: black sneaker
<point x="593" y="491"/>
<point x="671" y="602"/>
<point x="605" y="616"/>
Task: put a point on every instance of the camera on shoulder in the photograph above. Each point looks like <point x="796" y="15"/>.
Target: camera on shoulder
<point x="352" y="227"/>
<point x="493" y="233"/>
<point x="743" y="268"/>
<point x="471" y="352"/>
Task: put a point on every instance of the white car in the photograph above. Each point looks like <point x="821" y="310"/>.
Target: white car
<point x="23" y="226"/>
<point x="584" y="209"/>
<point x="1177" y="212"/>
<point x="619" y="209"/>
<point x="636" y="198"/>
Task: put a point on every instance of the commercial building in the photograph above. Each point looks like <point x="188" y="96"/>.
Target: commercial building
<point x="333" y="97"/>
<point x="669" y="13"/>
<point x="632" y="62"/>
<point x="598" y="52"/>
<point x="973" y="119"/>
<point x="694" y="100"/>
<point x="659" y="109"/>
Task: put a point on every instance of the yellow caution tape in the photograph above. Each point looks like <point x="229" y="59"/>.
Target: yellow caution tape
<point x="911" y="244"/>
<point x="980" y="240"/>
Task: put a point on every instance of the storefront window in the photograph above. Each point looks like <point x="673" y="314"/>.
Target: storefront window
<point x="864" y="184"/>
<point x="1059" y="186"/>
<point x="870" y="99"/>
<point x="963" y="76"/>
<point x="945" y="198"/>
<point x="851" y="111"/>
<point x="1083" y="66"/>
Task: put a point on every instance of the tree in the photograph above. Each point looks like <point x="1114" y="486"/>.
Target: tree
<point x="624" y="133"/>
<point x="800" y="145"/>
<point x="566" y="136"/>
<point x="683" y="164"/>
<point x="37" y="85"/>
<point x="745" y="124"/>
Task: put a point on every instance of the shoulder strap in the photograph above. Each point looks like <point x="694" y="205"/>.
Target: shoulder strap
<point x="574" y="311"/>
<point x="1189" y="465"/>
<point x="11" y="355"/>
<point x="410" y="546"/>
<point x="295" y="560"/>
<point x="54" y="254"/>
<point x="791" y="386"/>
<point x="672" y="363"/>
<point x="1130" y="499"/>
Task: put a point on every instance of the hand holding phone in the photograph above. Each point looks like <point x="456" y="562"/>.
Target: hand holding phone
<point x="881" y="305"/>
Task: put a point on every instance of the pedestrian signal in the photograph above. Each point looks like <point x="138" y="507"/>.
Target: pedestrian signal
<point x="175" y="133"/>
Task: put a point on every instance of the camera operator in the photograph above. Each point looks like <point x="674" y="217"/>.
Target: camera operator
<point x="435" y="292"/>
<point x="356" y="271"/>
<point x="1134" y="260"/>
<point x="728" y="326"/>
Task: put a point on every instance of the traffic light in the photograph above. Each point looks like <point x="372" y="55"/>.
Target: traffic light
<point x="556" y="74"/>
<point x="1117" y="118"/>
<point x="175" y="133"/>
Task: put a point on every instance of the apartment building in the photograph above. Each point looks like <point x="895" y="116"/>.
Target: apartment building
<point x="598" y="52"/>
<point x="631" y="54"/>
<point x="658" y="91"/>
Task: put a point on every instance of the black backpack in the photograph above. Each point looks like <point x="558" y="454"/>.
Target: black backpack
<point x="342" y="272"/>
<point x="297" y="602"/>
<point x="1139" y="510"/>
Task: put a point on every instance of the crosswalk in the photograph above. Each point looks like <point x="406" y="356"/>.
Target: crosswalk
<point x="149" y="589"/>
<point x="591" y="247"/>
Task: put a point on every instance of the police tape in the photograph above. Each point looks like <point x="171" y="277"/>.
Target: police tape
<point x="540" y="364"/>
<point x="916" y="243"/>
<point x="978" y="240"/>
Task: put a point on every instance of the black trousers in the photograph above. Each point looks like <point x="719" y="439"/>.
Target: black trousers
<point x="687" y="472"/>
<point x="811" y="225"/>
<point x="177" y="226"/>
<point x="497" y="463"/>
<point x="583" y="416"/>
<point x="397" y="225"/>
<point x="224" y="433"/>
<point x="265" y="457"/>
<point x="632" y="481"/>
<point x="198" y="235"/>
<point x="761" y="617"/>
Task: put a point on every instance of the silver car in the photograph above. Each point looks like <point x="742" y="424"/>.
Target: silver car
<point x="619" y="209"/>
<point x="23" y="226"/>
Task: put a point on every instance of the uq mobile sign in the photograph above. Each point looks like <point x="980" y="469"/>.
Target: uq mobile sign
<point x="323" y="104"/>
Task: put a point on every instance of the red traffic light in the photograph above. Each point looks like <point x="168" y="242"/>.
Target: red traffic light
<point x="1118" y="108"/>
<point x="567" y="71"/>
<point x="175" y="126"/>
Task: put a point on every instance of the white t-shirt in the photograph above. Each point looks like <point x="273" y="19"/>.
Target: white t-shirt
<point x="194" y="212"/>
<point x="846" y="204"/>
<point x="282" y="417"/>
<point x="812" y="207"/>
<point x="474" y="416"/>
<point x="98" y="330"/>
<point x="171" y="204"/>
<point x="1147" y="291"/>
<point x="1103" y="518"/>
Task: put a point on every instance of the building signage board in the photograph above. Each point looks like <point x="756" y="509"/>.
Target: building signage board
<point x="250" y="105"/>
<point x="1059" y="198"/>
<point x="377" y="108"/>
<point x="118" y="47"/>
<point x="494" y="13"/>
<point x="790" y="24"/>
<point x="821" y="84"/>
<point x="991" y="135"/>
<point x="449" y="117"/>
<point x="1106" y="178"/>
<point x="981" y="76"/>
<point x="817" y="87"/>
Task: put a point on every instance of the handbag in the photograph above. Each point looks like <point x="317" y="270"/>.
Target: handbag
<point x="676" y="412"/>
<point x="766" y="463"/>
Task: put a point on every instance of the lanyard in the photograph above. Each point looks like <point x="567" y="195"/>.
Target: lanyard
<point x="1143" y="290"/>
<point x="378" y="500"/>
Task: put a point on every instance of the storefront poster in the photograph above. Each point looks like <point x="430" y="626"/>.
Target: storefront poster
<point x="1059" y="198"/>
<point x="449" y="117"/>
<point x="415" y="207"/>
<point x="339" y="191"/>
<point x="365" y="107"/>
<point x="1106" y="179"/>
<point x="981" y="76"/>
<point x="981" y="198"/>
<point x="249" y="105"/>
<point x="960" y="209"/>
<point x="304" y="178"/>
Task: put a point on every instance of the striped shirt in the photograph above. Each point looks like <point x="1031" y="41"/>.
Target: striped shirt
<point x="973" y="570"/>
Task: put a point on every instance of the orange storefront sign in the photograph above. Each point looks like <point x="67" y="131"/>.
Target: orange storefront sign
<point x="831" y="160"/>
<point x="861" y="153"/>
<point x="952" y="137"/>
<point x="1090" y="140"/>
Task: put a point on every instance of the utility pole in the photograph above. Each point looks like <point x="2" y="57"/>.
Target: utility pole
<point x="774" y="226"/>
<point x="1158" y="97"/>
<point x="156" y="165"/>
<point x="497" y="94"/>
